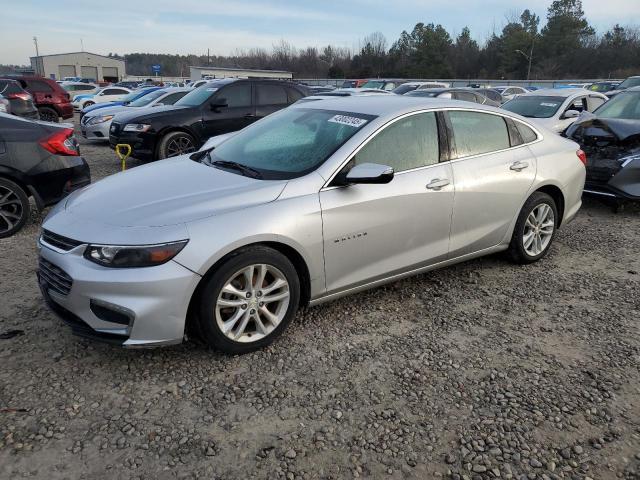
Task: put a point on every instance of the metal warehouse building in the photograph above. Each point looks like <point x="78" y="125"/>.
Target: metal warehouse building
<point x="79" y="64"/>
<point x="197" y="73"/>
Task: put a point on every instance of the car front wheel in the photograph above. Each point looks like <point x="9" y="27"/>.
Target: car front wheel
<point x="249" y="300"/>
<point x="14" y="208"/>
<point x="535" y="229"/>
<point x="176" y="143"/>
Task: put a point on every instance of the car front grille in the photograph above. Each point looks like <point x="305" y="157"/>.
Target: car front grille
<point x="58" y="241"/>
<point x="56" y="279"/>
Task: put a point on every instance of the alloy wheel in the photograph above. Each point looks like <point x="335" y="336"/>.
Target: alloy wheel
<point x="538" y="230"/>
<point x="11" y="210"/>
<point x="180" y="146"/>
<point x="252" y="303"/>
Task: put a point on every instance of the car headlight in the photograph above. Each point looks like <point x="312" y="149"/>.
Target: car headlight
<point x="101" y="119"/>
<point x="136" y="127"/>
<point x="133" y="256"/>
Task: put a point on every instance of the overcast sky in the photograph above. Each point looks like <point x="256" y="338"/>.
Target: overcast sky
<point x="192" y="26"/>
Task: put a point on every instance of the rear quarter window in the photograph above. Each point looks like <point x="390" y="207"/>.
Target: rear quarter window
<point x="527" y="134"/>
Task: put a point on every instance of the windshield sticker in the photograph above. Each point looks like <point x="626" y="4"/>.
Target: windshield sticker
<point x="212" y="89"/>
<point x="549" y="104"/>
<point x="347" y="120"/>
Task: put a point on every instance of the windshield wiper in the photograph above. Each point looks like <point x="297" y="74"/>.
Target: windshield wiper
<point x="244" y="169"/>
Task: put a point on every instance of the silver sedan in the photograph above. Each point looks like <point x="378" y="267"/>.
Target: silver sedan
<point x="317" y="201"/>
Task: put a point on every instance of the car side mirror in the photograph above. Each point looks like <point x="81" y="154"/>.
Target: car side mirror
<point x="369" y="173"/>
<point x="571" y="114"/>
<point x="218" y="103"/>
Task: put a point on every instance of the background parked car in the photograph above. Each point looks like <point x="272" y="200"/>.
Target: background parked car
<point x="20" y="100"/>
<point x="464" y="94"/>
<point x="319" y="89"/>
<point x="107" y="94"/>
<point x="354" y="83"/>
<point x="95" y="125"/>
<point x="630" y="82"/>
<point x="51" y="100"/>
<point x="219" y="106"/>
<point x="383" y="83"/>
<point x="555" y="108"/>
<point x="611" y="139"/>
<point x="509" y="92"/>
<point x="132" y="84"/>
<point x="38" y="160"/>
<point x="491" y="94"/>
<point x="79" y="88"/>
<point x="603" y="87"/>
<point x="130" y="97"/>
<point x="5" y="106"/>
<point x="410" y="86"/>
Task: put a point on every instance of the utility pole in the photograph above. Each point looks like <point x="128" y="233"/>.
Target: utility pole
<point x="81" y="45"/>
<point x="35" y="41"/>
<point x="529" y="58"/>
<point x="208" y="59"/>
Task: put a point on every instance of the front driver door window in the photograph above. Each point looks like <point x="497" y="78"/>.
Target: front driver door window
<point x="237" y="114"/>
<point x="371" y="230"/>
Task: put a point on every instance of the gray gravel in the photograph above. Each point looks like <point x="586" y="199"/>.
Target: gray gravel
<point x="483" y="370"/>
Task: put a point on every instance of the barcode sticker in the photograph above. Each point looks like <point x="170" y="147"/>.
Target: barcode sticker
<point x="347" y="120"/>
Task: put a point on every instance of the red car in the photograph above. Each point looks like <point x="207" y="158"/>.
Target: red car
<point x="50" y="98"/>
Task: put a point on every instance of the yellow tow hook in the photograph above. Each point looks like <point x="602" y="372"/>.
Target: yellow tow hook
<point x="123" y="156"/>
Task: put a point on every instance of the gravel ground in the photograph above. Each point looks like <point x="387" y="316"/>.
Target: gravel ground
<point x="483" y="370"/>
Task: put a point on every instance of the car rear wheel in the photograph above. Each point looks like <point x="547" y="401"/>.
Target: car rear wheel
<point x="535" y="229"/>
<point x="249" y="301"/>
<point x="48" y="114"/>
<point x="14" y="208"/>
<point x="176" y="143"/>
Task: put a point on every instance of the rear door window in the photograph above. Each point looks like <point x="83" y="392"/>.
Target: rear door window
<point x="476" y="133"/>
<point x="272" y="95"/>
<point x="39" y="86"/>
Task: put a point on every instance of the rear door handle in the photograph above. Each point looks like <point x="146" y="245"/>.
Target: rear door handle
<point x="517" y="166"/>
<point x="438" y="183"/>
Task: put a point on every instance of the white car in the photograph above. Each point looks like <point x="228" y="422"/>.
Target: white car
<point x="107" y="94"/>
<point x="555" y="108"/>
<point x="79" y="88"/>
<point x="510" y="92"/>
<point x="411" y="86"/>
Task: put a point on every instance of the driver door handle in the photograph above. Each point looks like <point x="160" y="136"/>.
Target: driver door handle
<point x="438" y="183"/>
<point x="517" y="166"/>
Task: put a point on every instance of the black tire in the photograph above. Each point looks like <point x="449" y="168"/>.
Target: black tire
<point x="14" y="208"/>
<point x="517" y="251"/>
<point x="176" y="143"/>
<point x="208" y="326"/>
<point x="87" y="104"/>
<point x="48" y="114"/>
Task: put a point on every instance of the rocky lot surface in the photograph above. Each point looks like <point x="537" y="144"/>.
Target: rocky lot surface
<point x="479" y="371"/>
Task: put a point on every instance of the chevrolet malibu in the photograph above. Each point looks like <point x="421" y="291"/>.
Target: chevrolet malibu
<point x="317" y="201"/>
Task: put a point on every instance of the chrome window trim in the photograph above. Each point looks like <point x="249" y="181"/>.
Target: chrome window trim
<point x="539" y="138"/>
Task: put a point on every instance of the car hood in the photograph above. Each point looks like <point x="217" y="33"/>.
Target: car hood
<point x="169" y="192"/>
<point x="109" y="110"/>
<point x="148" y="115"/>
<point x="618" y="130"/>
<point x="97" y="106"/>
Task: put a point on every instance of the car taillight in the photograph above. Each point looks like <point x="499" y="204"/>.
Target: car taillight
<point x="61" y="142"/>
<point x="582" y="156"/>
<point x="20" y="95"/>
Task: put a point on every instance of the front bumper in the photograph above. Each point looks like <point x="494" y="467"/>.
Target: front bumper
<point x="132" y="307"/>
<point x="99" y="131"/>
<point x="142" y="145"/>
<point x="66" y="110"/>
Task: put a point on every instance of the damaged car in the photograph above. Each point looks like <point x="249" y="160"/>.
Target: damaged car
<point x="611" y="139"/>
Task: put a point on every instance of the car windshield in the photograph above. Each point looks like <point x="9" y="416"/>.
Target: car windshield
<point x="625" y="105"/>
<point x="629" y="82"/>
<point x="290" y="143"/>
<point x="374" y="84"/>
<point x="402" y="89"/>
<point x="130" y="97"/>
<point x="147" y="99"/>
<point x="534" y="106"/>
<point x="199" y="95"/>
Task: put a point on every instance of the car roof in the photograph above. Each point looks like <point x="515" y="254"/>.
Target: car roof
<point x="391" y="105"/>
<point x="559" y="92"/>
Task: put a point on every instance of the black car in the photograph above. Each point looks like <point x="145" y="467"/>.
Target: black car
<point x="217" y="107"/>
<point x="603" y="87"/>
<point x="20" y="100"/>
<point x="611" y="139"/>
<point x="465" y="94"/>
<point x="38" y="160"/>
